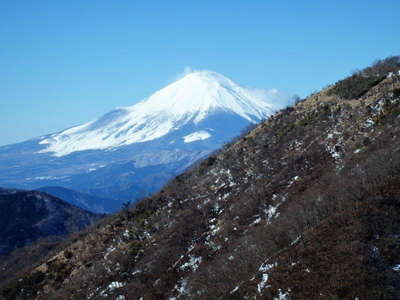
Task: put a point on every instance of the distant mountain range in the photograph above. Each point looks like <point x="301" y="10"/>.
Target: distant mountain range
<point x="26" y="216"/>
<point x="131" y="152"/>
<point x="82" y="200"/>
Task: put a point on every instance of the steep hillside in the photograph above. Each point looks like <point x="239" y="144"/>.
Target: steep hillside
<point x="305" y="206"/>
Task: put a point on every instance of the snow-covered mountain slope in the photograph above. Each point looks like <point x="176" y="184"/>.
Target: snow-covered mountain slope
<point x="187" y="101"/>
<point x="132" y="151"/>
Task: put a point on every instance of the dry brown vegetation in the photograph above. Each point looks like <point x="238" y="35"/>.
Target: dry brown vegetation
<point x="361" y="82"/>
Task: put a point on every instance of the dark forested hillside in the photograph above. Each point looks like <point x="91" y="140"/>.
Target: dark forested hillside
<point x="304" y="206"/>
<point x="26" y="216"/>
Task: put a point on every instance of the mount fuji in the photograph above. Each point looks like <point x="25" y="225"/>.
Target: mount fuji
<point x="131" y="152"/>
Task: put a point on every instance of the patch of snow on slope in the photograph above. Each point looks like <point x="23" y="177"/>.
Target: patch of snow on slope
<point x="396" y="268"/>
<point x="111" y="287"/>
<point x="264" y="268"/>
<point x="282" y="295"/>
<point x="193" y="263"/>
<point x="181" y="288"/>
<point x="196" y="136"/>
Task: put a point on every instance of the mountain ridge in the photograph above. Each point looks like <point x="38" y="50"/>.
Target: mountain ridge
<point x="85" y="201"/>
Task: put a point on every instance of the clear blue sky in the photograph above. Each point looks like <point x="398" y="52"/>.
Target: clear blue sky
<point x="66" y="62"/>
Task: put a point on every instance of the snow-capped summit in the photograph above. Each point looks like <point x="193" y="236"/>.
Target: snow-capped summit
<point x="200" y="92"/>
<point x="189" y="100"/>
